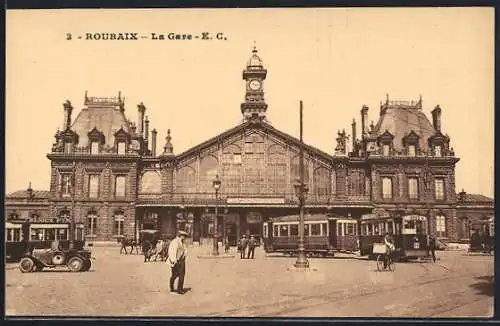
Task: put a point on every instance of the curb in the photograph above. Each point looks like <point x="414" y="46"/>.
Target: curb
<point x="214" y="257"/>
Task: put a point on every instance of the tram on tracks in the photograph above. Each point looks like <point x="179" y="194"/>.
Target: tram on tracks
<point x="482" y="235"/>
<point x="409" y="233"/>
<point x="324" y="234"/>
<point x="22" y="237"/>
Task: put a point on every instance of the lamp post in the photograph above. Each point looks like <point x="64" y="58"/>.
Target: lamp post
<point x="216" y="184"/>
<point x="301" y="190"/>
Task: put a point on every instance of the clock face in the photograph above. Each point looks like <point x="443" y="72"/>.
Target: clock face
<point x="254" y="84"/>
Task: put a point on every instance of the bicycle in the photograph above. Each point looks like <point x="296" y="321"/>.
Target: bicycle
<point x="389" y="262"/>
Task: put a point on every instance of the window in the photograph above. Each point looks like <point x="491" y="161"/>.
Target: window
<point x="91" y="224"/>
<point x="66" y="185"/>
<point x="265" y="231"/>
<point x="118" y="225"/>
<point x="13" y="235"/>
<point x="413" y="188"/>
<point x="120" y="186"/>
<point x="61" y="234"/>
<point x="121" y="147"/>
<point x="324" y="229"/>
<point x="294" y="230"/>
<point x="440" y="226"/>
<point x="315" y="229"/>
<point x="237" y="158"/>
<point x="50" y="234"/>
<point x="386" y="188"/>
<point x="283" y="230"/>
<point x="439" y="183"/>
<point x="412" y="150"/>
<point x="306" y="230"/>
<point x="94" y="147"/>
<point x="385" y="150"/>
<point x="437" y="150"/>
<point x="79" y="232"/>
<point x="350" y="229"/>
<point x="390" y="227"/>
<point x="275" y="230"/>
<point x="382" y="228"/>
<point x="68" y="147"/>
<point x="36" y="234"/>
<point x="93" y="186"/>
<point x="339" y="229"/>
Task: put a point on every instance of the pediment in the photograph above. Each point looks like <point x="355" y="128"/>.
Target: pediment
<point x="438" y="137"/>
<point x="386" y="136"/>
<point x="96" y="135"/>
<point x="411" y="138"/>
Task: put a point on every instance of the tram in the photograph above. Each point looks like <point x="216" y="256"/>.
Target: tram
<point x="21" y="237"/>
<point x="323" y="234"/>
<point x="482" y="235"/>
<point x="409" y="233"/>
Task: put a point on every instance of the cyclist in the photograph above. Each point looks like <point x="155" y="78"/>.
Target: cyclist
<point x="389" y="245"/>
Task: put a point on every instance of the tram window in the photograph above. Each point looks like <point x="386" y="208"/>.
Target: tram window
<point x="13" y="235"/>
<point x="306" y="230"/>
<point x="370" y="229"/>
<point x="339" y="229"/>
<point x="420" y="229"/>
<point x="294" y="230"/>
<point x="376" y="230"/>
<point x="37" y="234"/>
<point x="284" y="230"/>
<point x="265" y="230"/>
<point x="315" y="230"/>
<point x="382" y="228"/>
<point x="350" y="229"/>
<point x="50" y="234"/>
<point x="62" y="234"/>
<point x="276" y="229"/>
<point x="324" y="228"/>
<point x="409" y="224"/>
<point x="390" y="227"/>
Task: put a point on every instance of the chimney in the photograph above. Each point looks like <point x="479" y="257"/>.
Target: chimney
<point x="146" y="128"/>
<point x="67" y="114"/>
<point x="153" y="142"/>
<point x="353" y="135"/>
<point x="140" y="122"/>
<point x="436" y="118"/>
<point x="364" y="121"/>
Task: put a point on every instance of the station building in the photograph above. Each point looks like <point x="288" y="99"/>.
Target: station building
<point x="108" y="173"/>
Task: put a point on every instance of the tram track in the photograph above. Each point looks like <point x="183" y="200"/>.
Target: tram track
<point x="299" y="303"/>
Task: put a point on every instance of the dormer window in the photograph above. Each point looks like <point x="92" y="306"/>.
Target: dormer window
<point x="437" y="150"/>
<point x="412" y="151"/>
<point x="96" y="139"/>
<point x="94" y="148"/>
<point x="121" y="147"/>
<point x="386" y="150"/>
<point x="68" y="147"/>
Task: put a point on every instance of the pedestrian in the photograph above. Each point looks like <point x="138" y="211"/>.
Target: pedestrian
<point x="252" y="243"/>
<point x="243" y="246"/>
<point x="177" y="260"/>
<point x="226" y="245"/>
<point x="432" y="247"/>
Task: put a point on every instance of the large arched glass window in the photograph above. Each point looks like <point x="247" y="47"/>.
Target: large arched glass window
<point x="231" y="169"/>
<point x="322" y="184"/>
<point x="276" y="170"/>
<point x="185" y="180"/>
<point x="208" y="171"/>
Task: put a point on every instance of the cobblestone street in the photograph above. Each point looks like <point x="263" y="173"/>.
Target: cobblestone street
<point x="346" y="286"/>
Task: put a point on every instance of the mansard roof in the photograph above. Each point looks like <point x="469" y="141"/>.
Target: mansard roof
<point x="23" y="194"/>
<point x="250" y="124"/>
<point x="400" y="120"/>
<point x="106" y="118"/>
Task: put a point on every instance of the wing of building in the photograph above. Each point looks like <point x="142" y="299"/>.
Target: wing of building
<point x="108" y="174"/>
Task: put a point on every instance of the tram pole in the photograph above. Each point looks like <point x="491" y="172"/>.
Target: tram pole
<point x="301" y="193"/>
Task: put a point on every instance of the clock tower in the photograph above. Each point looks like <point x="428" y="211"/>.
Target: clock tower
<point x="254" y="75"/>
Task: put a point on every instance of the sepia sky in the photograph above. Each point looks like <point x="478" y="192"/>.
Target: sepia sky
<point x="335" y="60"/>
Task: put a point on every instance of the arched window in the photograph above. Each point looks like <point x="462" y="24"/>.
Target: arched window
<point x="208" y="171"/>
<point x="119" y="219"/>
<point x="231" y="169"/>
<point x="254" y="164"/>
<point x="186" y="180"/>
<point x="276" y="170"/>
<point x="150" y="182"/>
<point x="322" y="184"/>
<point x="295" y="173"/>
<point x="91" y="225"/>
<point x="441" y="225"/>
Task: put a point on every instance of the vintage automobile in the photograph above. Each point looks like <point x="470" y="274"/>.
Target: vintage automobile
<point x="77" y="260"/>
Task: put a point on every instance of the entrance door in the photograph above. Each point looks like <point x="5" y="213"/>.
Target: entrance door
<point x="255" y="230"/>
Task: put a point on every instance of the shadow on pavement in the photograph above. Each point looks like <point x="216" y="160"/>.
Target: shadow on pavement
<point x="484" y="286"/>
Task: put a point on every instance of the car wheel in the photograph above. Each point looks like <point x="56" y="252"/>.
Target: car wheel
<point x="75" y="264"/>
<point x="26" y="265"/>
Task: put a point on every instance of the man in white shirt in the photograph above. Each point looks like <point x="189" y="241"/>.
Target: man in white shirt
<point x="177" y="260"/>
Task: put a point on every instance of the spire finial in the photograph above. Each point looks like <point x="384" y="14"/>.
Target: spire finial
<point x="254" y="47"/>
<point x="168" y="149"/>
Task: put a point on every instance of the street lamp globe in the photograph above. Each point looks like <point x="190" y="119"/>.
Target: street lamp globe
<point x="216" y="183"/>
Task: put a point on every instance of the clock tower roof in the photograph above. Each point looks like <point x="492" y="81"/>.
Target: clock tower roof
<point x="255" y="62"/>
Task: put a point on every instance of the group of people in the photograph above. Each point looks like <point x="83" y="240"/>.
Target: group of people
<point x="246" y="247"/>
<point x="391" y="246"/>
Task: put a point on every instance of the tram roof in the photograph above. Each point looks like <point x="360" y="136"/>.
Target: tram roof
<point x="307" y="217"/>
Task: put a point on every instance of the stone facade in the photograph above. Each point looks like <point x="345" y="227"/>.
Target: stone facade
<point x="104" y="169"/>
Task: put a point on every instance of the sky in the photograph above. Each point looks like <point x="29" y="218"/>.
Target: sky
<point x="333" y="59"/>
